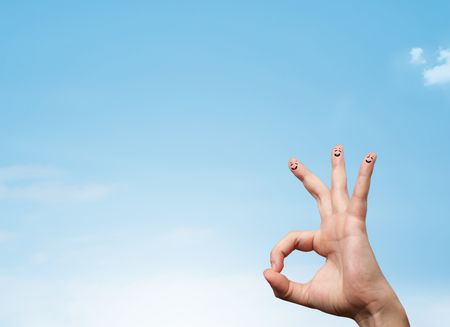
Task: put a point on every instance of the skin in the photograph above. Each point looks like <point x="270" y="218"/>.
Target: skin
<point x="350" y="283"/>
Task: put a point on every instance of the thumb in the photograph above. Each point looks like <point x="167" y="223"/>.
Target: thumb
<point x="285" y="289"/>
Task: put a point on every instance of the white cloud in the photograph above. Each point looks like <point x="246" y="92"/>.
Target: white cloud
<point x="183" y="299"/>
<point x="172" y="300"/>
<point x="417" y="56"/>
<point x="164" y="294"/>
<point x="43" y="184"/>
<point x="55" y="192"/>
<point x="440" y="73"/>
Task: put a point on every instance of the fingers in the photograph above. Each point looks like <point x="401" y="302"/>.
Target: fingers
<point x="313" y="185"/>
<point x="286" y="289"/>
<point x="282" y="287"/>
<point x="339" y="193"/>
<point x="298" y="240"/>
<point x="358" y="203"/>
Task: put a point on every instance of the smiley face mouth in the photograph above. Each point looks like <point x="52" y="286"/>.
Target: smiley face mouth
<point x="369" y="159"/>
<point x="337" y="154"/>
<point x="294" y="166"/>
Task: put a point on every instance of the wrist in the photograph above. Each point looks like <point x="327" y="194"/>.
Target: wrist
<point x="388" y="312"/>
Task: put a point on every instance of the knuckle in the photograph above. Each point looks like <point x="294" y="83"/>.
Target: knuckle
<point x="272" y="254"/>
<point x="288" y="293"/>
<point x="290" y="234"/>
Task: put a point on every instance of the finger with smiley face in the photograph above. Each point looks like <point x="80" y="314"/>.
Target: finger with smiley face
<point x="358" y="203"/>
<point x="337" y="150"/>
<point x="294" y="164"/>
<point x="313" y="185"/>
<point x="339" y="193"/>
<point x="370" y="158"/>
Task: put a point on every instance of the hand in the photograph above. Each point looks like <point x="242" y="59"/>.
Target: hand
<point x="350" y="283"/>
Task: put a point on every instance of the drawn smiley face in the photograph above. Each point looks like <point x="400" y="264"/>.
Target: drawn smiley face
<point x="337" y="151"/>
<point x="370" y="158"/>
<point x="293" y="165"/>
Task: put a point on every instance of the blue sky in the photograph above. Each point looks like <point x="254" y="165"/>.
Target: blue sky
<point x="145" y="144"/>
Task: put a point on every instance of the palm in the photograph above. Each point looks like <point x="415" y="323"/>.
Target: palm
<point x="351" y="277"/>
<point x="345" y="245"/>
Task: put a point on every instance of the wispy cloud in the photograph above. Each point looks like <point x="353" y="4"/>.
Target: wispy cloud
<point x="5" y="236"/>
<point x="417" y="56"/>
<point x="176" y="300"/>
<point x="39" y="258"/>
<point x="187" y="235"/>
<point x="440" y="73"/>
<point x="28" y="172"/>
<point x="169" y="300"/>
<point x="43" y="184"/>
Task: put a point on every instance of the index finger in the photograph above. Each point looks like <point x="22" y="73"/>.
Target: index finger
<point x="313" y="185"/>
<point x="298" y="240"/>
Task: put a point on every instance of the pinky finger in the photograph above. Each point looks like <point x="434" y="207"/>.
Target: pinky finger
<point x="358" y="203"/>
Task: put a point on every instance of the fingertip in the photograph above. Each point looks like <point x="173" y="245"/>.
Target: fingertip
<point x="337" y="151"/>
<point x="276" y="260"/>
<point x="274" y="265"/>
<point x="277" y="267"/>
<point x="293" y="164"/>
<point x="370" y="158"/>
<point x="269" y="275"/>
<point x="277" y="281"/>
<point x="266" y="273"/>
